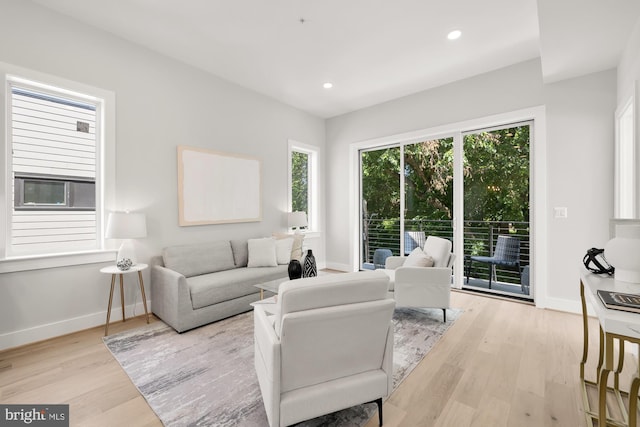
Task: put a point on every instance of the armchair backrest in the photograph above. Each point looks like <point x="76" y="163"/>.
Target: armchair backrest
<point x="332" y="326"/>
<point x="440" y="250"/>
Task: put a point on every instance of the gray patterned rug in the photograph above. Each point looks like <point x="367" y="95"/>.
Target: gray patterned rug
<point x="205" y="377"/>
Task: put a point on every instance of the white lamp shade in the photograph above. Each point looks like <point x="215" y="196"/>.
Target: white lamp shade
<point x="623" y="253"/>
<point x="297" y="219"/>
<point x="124" y="225"/>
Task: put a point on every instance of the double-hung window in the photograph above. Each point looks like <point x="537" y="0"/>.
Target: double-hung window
<point x="53" y="170"/>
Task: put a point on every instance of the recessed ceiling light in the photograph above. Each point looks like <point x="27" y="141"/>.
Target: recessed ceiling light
<point x="327" y="85"/>
<point x="455" y="34"/>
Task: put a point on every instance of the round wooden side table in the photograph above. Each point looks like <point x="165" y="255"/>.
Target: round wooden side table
<point x="114" y="270"/>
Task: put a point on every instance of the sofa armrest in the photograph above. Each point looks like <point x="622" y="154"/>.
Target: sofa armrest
<point x="423" y="287"/>
<point x="169" y="296"/>
<point x="393" y="262"/>
<point x="267" y="362"/>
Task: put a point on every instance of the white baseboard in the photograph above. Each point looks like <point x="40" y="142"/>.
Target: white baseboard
<point x="339" y="267"/>
<point x="67" y="326"/>
<point x="568" y="306"/>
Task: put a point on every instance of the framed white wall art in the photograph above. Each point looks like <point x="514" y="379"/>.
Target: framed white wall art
<point x="217" y="188"/>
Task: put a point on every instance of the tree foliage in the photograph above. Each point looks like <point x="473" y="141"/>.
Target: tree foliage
<point x="496" y="178"/>
<point x="299" y="182"/>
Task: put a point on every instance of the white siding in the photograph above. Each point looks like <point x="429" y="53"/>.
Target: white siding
<point x="45" y="141"/>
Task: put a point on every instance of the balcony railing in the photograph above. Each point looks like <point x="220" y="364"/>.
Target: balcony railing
<point x="479" y="239"/>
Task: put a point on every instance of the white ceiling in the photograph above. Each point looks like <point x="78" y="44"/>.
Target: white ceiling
<point x="371" y="50"/>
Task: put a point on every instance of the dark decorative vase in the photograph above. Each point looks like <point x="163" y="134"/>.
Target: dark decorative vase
<point x="295" y="269"/>
<point x="309" y="269"/>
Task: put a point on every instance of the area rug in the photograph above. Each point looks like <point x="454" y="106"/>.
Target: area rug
<point x="206" y="377"/>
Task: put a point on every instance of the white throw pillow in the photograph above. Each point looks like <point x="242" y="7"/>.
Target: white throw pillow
<point x="283" y="250"/>
<point x="417" y="258"/>
<point x="262" y="252"/>
<point x="296" y="249"/>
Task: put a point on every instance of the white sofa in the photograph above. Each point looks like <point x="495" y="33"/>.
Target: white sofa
<point x="326" y="345"/>
<point x="196" y="284"/>
<point x="423" y="279"/>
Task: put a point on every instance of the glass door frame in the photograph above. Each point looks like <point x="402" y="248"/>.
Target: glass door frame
<point x="537" y="188"/>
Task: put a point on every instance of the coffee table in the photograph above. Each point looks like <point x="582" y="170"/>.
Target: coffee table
<point x="274" y="285"/>
<point x="271" y="286"/>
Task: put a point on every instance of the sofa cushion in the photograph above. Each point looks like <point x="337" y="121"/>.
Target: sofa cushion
<point x="262" y="253"/>
<point x="240" y="249"/>
<point x="209" y="289"/>
<point x="201" y="258"/>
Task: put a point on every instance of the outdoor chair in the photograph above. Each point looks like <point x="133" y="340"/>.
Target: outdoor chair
<point x="412" y="240"/>
<point x="506" y="254"/>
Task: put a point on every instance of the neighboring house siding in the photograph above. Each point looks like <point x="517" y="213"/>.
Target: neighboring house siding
<point x="49" y="141"/>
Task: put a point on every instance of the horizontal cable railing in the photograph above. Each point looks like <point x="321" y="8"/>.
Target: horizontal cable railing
<point x="480" y="238"/>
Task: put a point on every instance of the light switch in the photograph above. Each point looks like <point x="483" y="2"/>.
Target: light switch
<point x="560" y="212"/>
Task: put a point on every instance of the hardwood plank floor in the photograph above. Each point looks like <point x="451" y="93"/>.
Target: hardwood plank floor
<point x="502" y="363"/>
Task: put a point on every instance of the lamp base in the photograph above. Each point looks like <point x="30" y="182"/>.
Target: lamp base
<point x="127" y="251"/>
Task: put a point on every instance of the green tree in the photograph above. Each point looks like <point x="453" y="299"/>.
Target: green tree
<point x="299" y="182"/>
<point x="496" y="168"/>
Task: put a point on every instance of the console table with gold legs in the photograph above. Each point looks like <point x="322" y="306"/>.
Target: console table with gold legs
<point x="615" y="326"/>
<point x="113" y="270"/>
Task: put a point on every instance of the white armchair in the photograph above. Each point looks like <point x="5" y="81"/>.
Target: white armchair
<point x="419" y="286"/>
<point x="327" y="345"/>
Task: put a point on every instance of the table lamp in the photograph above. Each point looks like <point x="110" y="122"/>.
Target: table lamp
<point x="127" y="226"/>
<point x="296" y="220"/>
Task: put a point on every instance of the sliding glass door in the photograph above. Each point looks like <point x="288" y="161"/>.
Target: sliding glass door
<point x="407" y="194"/>
<point x="496" y="210"/>
<point x="380" y="204"/>
<point x="428" y="191"/>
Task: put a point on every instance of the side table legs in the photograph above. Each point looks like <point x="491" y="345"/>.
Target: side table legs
<point x="113" y="282"/>
<point x="144" y="297"/>
<point x="122" y="297"/>
<point x="142" y="293"/>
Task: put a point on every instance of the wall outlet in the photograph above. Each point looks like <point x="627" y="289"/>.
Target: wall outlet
<point x="560" y="212"/>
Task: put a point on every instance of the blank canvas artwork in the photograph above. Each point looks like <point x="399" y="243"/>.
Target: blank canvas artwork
<point x="216" y="187"/>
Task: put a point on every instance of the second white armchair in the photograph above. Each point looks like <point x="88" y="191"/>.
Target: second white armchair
<point x="422" y="279"/>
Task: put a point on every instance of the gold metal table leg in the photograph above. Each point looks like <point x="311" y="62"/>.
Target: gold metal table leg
<point x="604" y="377"/>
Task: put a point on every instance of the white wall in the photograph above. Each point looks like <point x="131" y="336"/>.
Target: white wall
<point x="579" y="157"/>
<point x="160" y="103"/>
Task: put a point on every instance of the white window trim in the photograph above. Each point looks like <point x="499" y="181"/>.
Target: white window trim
<point x="314" y="189"/>
<point x="620" y="114"/>
<point x="106" y="154"/>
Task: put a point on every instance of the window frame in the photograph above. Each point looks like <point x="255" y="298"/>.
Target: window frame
<point x="626" y="178"/>
<point x="313" y="187"/>
<point x="105" y="172"/>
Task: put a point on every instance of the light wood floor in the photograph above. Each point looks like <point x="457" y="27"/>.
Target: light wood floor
<point x="501" y="364"/>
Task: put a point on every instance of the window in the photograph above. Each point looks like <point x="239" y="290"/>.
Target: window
<point x="53" y="166"/>
<point x="42" y="193"/>
<point x="625" y="171"/>
<point x="303" y="166"/>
